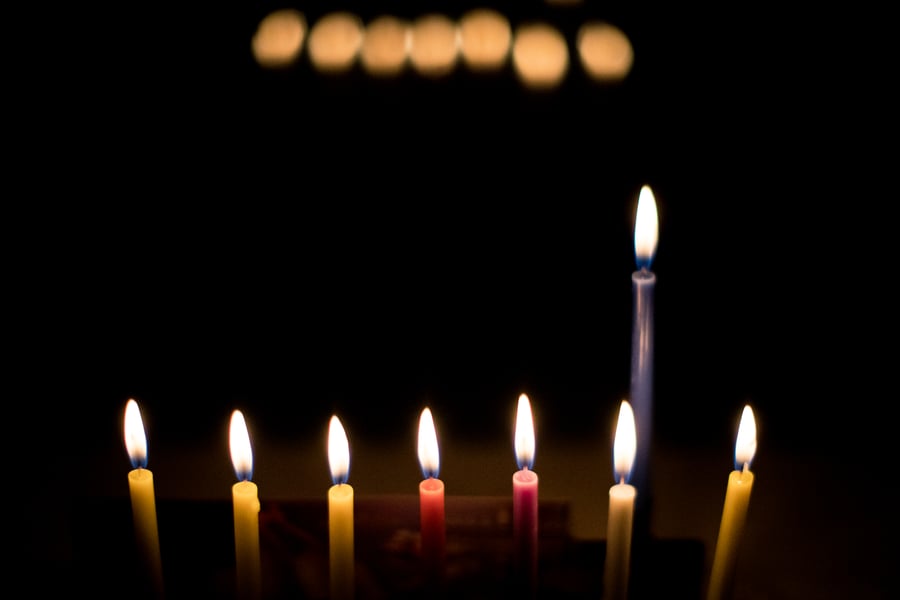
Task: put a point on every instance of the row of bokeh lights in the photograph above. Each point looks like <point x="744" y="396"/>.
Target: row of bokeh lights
<point x="433" y="45"/>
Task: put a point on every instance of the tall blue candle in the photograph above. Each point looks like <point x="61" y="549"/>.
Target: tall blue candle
<point x="643" y="283"/>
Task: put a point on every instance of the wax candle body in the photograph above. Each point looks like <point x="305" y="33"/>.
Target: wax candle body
<point x="734" y="515"/>
<point x="525" y="527"/>
<point x="433" y="526"/>
<point x="143" y="508"/>
<point x="340" y="536"/>
<point x="643" y="284"/>
<point x="618" y="541"/>
<point x="246" y="540"/>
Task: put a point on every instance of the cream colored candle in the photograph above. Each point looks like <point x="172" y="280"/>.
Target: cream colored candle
<point x="734" y="513"/>
<point x="340" y="514"/>
<point x="245" y="498"/>
<point x="621" y="509"/>
<point x="143" y="498"/>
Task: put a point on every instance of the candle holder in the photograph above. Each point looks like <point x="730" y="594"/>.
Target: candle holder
<point x="197" y="545"/>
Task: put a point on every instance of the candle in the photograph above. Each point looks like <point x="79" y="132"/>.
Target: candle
<point x="340" y="513"/>
<point x="431" y="499"/>
<point x="621" y="508"/>
<point x="246" y="512"/>
<point x="143" y="499"/>
<point x="525" y="499"/>
<point x="643" y="282"/>
<point x="734" y="513"/>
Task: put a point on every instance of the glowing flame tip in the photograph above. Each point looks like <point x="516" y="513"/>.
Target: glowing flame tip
<point x="429" y="457"/>
<point x="338" y="451"/>
<point x="625" y="444"/>
<point x="239" y="442"/>
<point x="135" y="436"/>
<point x="524" y="434"/>
<point x="745" y="446"/>
<point x="646" y="228"/>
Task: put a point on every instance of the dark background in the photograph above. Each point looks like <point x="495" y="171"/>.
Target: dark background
<point x="216" y="235"/>
<point x="203" y="235"/>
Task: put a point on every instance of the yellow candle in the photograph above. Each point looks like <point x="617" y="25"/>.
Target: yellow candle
<point x="245" y="498"/>
<point x="340" y="514"/>
<point x="734" y="513"/>
<point x="143" y="499"/>
<point x="621" y="509"/>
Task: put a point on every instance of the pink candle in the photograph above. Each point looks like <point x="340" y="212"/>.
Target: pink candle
<point x="525" y="500"/>
<point x="431" y="499"/>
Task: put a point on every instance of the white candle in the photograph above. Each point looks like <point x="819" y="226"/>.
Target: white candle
<point x="734" y="513"/>
<point x="340" y="514"/>
<point x="143" y="498"/>
<point x="621" y="509"/>
<point x="643" y="284"/>
<point x="246" y="512"/>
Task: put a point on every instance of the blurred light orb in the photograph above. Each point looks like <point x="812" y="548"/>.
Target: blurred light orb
<point x="485" y="37"/>
<point x="385" y="46"/>
<point x="606" y="52"/>
<point x="279" y="38"/>
<point x="335" y="41"/>
<point x="434" y="45"/>
<point x="540" y="55"/>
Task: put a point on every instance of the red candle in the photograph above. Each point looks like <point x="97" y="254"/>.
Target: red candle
<point x="525" y="499"/>
<point x="431" y="499"/>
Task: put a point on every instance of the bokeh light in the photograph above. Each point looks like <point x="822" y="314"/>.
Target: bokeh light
<point x="279" y="38"/>
<point x="540" y="55"/>
<point x="385" y="46"/>
<point x="485" y="37"/>
<point x="606" y="52"/>
<point x="434" y="47"/>
<point x="335" y="41"/>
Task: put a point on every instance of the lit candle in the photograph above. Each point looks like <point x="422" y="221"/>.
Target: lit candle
<point x="643" y="282"/>
<point x="431" y="499"/>
<point x="525" y="499"/>
<point x="621" y="508"/>
<point x="340" y="513"/>
<point x="734" y="513"/>
<point x="143" y="499"/>
<point x="246" y="512"/>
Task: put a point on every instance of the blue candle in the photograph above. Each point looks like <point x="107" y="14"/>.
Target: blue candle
<point x="643" y="282"/>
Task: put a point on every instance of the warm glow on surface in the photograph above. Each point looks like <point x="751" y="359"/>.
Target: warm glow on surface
<point x="385" y="46"/>
<point x="524" y="434"/>
<point x="625" y="444"/>
<point x="646" y="228"/>
<point x="745" y="447"/>
<point x="434" y="45"/>
<point x="279" y="38"/>
<point x="485" y="37"/>
<point x="540" y="55"/>
<point x="335" y="41"/>
<point x="338" y="451"/>
<point x="135" y="437"/>
<point x="605" y="51"/>
<point x="239" y="442"/>
<point x="429" y="458"/>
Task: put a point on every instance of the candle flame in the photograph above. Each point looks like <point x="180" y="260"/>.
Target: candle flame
<point x="646" y="228"/>
<point x="745" y="447"/>
<point x="524" y="434"/>
<point x="429" y="457"/>
<point x="338" y="451"/>
<point x="135" y="437"/>
<point x="625" y="444"/>
<point x="241" y="454"/>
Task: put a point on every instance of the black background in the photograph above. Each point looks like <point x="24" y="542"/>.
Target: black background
<point x="216" y="235"/>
